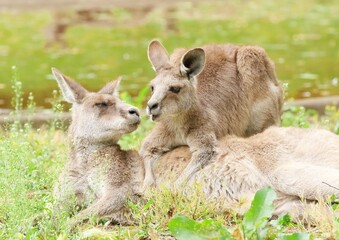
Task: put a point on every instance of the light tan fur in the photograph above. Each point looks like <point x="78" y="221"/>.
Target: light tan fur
<point x="202" y="94"/>
<point x="300" y="164"/>
<point x="99" y="175"/>
<point x="297" y="163"/>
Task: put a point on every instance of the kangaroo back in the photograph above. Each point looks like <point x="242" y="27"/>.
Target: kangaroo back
<point x="238" y="88"/>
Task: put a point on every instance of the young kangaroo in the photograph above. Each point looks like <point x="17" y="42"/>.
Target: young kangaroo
<point x="99" y="174"/>
<point x="202" y="94"/>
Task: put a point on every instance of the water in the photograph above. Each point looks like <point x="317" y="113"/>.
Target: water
<point x="301" y="37"/>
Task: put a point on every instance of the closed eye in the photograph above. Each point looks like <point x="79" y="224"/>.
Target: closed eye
<point x="102" y="104"/>
<point x="175" y="89"/>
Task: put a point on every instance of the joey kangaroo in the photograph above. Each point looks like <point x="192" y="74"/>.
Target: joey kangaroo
<point x="200" y="95"/>
<point x="99" y="174"/>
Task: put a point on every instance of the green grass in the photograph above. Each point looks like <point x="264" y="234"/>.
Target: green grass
<point x="300" y="36"/>
<point x="30" y="163"/>
<point x="32" y="159"/>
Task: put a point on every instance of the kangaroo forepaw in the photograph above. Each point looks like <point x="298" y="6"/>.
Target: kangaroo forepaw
<point x="149" y="183"/>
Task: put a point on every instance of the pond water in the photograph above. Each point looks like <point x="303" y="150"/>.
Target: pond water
<point x="302" y="41"/>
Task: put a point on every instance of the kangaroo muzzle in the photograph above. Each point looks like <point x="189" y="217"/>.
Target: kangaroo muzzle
<point x="153" y="110"/>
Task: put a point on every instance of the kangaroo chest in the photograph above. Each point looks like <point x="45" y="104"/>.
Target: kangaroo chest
<point x="97" y="172"/>
<point x="96" y="180"/>
<point x="180" y="139"/>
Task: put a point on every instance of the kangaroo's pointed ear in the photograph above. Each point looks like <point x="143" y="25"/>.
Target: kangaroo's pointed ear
<point x="72" y="91"/>
<point x="111" y="87"/>
<point x="192" y="62"/>
<point x="157" y="55"/>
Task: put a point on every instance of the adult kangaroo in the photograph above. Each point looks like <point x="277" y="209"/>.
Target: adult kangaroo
<point x="200" y="95"/>
<point x="302" y="165"/>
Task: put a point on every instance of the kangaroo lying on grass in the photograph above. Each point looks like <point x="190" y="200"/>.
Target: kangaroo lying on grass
<point x="202" y="94"/>
<point x="99" y="174"/>
<point x="102" y="176"/>
<point x="297" y="163"/>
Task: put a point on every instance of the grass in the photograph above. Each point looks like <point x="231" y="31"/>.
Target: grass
<point x="30" y="163"/>
<point x="32" y="159"/>
<point x="300" y="36"/>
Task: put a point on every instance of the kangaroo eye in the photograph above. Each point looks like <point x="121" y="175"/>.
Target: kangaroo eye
<point x="152" y="88"/>
<point x="102" y="104"/>
<point x="175" y="89"/>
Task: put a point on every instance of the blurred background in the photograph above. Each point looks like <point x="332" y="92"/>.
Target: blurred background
<point x="97" y="41"/>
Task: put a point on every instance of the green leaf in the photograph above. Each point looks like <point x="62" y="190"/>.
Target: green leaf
<point x="142" y="96"/>
<point x="284" y="220"/>
<point x="133" y="207"/>
<point x="148" y="204"/>
<point x="261" y="209"/>
<point x="184" y="228"/>
<point x="296" y="236"/>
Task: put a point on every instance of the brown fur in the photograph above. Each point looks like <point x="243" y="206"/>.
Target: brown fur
<point x="99" y="174"/>
<point x="224" y="89"/>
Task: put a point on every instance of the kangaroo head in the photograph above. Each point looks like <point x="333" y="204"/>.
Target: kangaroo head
<point x="99" y="116"/>
<point x="174" y="87"/>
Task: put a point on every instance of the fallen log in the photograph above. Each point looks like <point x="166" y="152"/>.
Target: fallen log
<point x="45" y="116"/>
<point x="317" y="103"/>
<point x="37" y="119"/>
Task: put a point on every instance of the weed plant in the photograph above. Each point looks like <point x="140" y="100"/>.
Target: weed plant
<point x="31" y="160"/>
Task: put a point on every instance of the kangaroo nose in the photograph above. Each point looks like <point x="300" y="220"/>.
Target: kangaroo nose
<point x="153" y="106"/>
<point x="133" y="111"/>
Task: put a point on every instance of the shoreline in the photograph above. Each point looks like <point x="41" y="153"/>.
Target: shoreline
<point x="42" y="116"/>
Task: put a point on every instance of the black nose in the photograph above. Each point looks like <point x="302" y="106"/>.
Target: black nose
<point x="153" y="106"/>
<point x="133" y="111"/>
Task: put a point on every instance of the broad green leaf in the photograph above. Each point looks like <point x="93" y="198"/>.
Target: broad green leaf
<point x="184" y="228"/>
<point x="296" y="236"/>
<point x="284" y="220"/>
<point x="261" y="209"/>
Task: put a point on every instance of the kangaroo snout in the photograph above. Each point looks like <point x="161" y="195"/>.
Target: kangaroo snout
<point x="152" y="108"/>
<point x="134" y="115"/>
<point x="134" y="111"/>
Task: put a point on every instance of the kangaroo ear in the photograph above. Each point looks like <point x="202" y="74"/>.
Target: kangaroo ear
<point x="72" y="91"/>
<point x="157" y="55"/>
<point x="193" y="62"/>
<point x="111" y="87"/>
